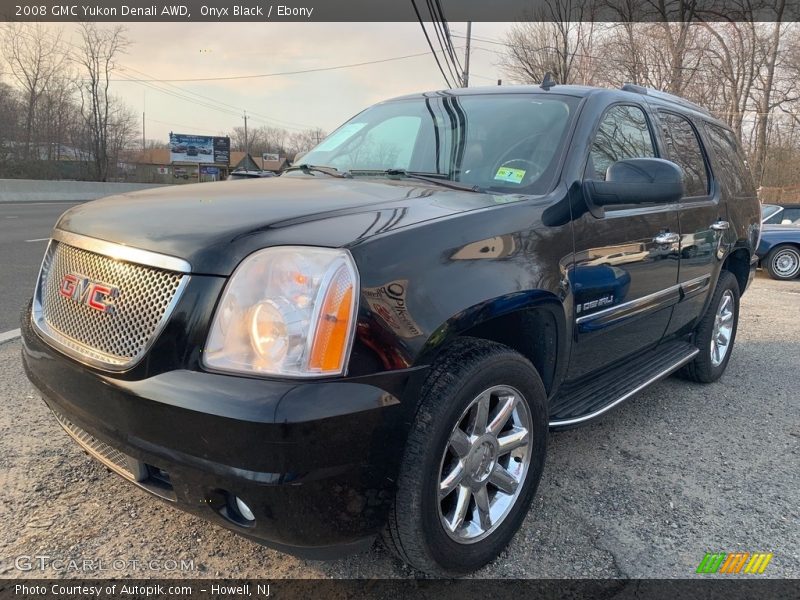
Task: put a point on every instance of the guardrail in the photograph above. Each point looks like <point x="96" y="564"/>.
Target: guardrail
<point x="34" y="190"/>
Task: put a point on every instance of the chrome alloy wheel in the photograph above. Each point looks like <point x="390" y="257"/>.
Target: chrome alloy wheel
<point x="484" y="465"/>
<point x="723" y="328"/>
<point x="786" y="263"/>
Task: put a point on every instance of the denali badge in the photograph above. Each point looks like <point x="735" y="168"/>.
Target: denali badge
<point x="84" y="290"/>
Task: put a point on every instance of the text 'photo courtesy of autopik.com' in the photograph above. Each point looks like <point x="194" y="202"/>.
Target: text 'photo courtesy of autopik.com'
<point x="399" y="298"/>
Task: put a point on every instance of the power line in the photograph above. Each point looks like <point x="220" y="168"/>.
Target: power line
<point x="181" y="94"/>
<point x="549" y="49"/>
<point x="285" y="124"/>
<point x="182" y="125"/>
<point x="430" y="44"/>
<point x="441" y="38"/>
<point x="285" y="73"/>
<point x="448" y="38"/>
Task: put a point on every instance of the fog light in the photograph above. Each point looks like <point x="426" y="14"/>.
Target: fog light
<point x="244" y="510"/>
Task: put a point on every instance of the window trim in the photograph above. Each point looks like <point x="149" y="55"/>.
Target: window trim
<point x="712" y="187"/>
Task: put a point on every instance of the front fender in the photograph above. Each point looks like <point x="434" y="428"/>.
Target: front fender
<point x="496" y="308"/>
<point x="425" y="285"/>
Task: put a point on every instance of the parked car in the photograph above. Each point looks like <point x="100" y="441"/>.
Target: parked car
<point x="378" y="341"/>
<point x="780" y="214"/>
<point x="779" y="251"/>
<point x="243" y="174"/>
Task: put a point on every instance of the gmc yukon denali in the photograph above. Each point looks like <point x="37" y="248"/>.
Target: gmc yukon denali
<point x="376" y="343"/>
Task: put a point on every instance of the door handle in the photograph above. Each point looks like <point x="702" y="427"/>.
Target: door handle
<point x="720" y="226"/>
<point x="667" y="238"/>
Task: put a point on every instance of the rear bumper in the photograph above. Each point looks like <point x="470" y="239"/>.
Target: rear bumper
<point x="315" y="462"/>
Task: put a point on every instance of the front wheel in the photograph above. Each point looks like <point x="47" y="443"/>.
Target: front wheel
<point x="473" y="460"/>
<point x="783" y="262"/>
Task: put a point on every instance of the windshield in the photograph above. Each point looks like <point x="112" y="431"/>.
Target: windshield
<point x="769" y="210"/>
<point x="507" y="142"/>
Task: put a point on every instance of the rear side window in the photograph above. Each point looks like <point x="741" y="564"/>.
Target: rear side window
<point x="623" y="133"/>
<point x="683" y="148"/>
<point x="731" y="159"/>
<point x="789" y="214"/>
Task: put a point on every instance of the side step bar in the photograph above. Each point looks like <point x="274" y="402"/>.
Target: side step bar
<point x="582" y="401"/>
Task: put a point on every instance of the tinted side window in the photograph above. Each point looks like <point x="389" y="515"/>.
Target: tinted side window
<point x="730" y="157"/>
<point x="623" y="133"/>
<point x="683" y="148"/>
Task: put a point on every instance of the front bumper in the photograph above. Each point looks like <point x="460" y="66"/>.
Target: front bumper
<point x="315" y="461"/>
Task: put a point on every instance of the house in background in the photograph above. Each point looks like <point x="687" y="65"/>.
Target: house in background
<point x="245" y="162"/>
<point x="154" y="166"/>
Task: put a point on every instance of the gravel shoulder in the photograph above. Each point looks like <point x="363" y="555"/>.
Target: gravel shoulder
<point x="680" y="470"/>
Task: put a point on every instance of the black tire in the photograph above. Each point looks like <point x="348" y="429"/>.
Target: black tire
<point x="702" y="369"/>
<point x="415" y="532"/>
<point x="785" y="252"/>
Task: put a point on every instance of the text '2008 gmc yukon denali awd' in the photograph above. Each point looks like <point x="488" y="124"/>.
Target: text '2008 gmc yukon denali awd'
<point x="377" y="341"/>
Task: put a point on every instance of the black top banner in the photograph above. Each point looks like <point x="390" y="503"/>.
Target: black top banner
<point x="398" y="10"/>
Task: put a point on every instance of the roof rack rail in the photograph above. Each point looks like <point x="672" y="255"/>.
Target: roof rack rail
<point x="659" y="95"/>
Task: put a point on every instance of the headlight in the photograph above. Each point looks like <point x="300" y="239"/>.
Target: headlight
<point x="287" y="310"/>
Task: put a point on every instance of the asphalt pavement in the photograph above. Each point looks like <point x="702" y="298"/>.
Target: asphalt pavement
<point x="24" y="231"/>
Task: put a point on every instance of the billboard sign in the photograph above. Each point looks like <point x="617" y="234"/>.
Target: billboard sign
<point x="199" y="149"/>
<point x="222" y="150"/>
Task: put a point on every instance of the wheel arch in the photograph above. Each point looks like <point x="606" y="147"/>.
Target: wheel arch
<point x="738" y="263"/>
<point x="532" y="322"/>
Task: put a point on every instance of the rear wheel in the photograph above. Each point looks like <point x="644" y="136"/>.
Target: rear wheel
<point x="716" y="332"/>
<point x="473" y="460"/>
<point x="783" y="262"/>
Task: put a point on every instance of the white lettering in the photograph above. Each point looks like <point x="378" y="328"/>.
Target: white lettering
<point x="294" y="11"/>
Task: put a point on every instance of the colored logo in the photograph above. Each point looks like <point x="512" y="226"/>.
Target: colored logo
<point x="736" y="562"/>
<point x="94" y="294"/>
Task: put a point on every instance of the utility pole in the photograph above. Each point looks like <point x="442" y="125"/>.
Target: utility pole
<point x="465" y="78"/>
<point x="246" y="141"/>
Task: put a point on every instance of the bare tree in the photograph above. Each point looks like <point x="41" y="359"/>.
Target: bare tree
<point x="732" y="54"/>
<point x="559" y="42"/>
<point x="764" y="90"/>
<point x="9" y="123"/>
<point x="35" y="58"/>
<point x="97" y="60"/>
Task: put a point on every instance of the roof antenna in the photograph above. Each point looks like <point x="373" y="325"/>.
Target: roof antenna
<point x="547" y="81"/>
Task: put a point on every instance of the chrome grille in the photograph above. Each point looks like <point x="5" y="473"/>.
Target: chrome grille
<point x="115" y="340"/>
<point x="111" y="457"/>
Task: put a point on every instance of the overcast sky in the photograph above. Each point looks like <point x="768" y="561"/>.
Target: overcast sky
<point x="176" y="50"/>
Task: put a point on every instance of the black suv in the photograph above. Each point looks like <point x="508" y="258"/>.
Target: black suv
<point x="378" y="341"/>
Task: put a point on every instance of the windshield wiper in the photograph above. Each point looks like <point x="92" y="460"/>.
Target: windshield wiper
<point x="332" y="171"/>
<point x="412" y="175"/>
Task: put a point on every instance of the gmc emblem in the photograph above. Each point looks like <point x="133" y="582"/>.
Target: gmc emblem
<point x="84" y="290"/>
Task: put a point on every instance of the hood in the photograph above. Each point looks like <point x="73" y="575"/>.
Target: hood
<point x="214" y="226"/>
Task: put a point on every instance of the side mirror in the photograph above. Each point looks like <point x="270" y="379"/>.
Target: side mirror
<point x="637" y="181"/>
